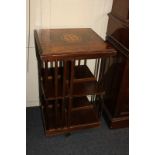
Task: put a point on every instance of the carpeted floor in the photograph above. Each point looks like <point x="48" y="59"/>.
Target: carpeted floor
<point x="99" y="141"/>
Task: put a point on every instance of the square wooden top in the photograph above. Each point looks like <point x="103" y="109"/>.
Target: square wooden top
<point x="71" y="43"/>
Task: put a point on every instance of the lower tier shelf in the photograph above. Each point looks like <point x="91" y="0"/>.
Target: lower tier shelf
<point x="82" y="89"/>
<point x="80" y="119"/>
<point x="88" y="88"/>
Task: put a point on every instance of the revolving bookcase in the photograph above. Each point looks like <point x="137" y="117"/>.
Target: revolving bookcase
<point x="70" y="93"/>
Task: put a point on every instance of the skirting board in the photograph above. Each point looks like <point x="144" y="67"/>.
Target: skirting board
<point x="32" y="103"/>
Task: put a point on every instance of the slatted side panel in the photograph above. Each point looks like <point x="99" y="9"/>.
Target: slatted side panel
<point x="101" y="67"/>
<point x="40" y="74"/>
<point x="96" y="71"/>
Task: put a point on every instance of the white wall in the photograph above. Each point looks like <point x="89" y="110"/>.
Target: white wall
<point x="60" y="14"/>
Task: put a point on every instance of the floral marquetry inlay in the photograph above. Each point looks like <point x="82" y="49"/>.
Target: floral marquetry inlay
<point x="69" y="37"/>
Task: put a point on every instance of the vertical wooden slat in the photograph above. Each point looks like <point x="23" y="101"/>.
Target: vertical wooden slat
<point x="100" y="106"/>
<point x="51" y="64"/>
<point x="72" y="77"/>
<point x="46" y="74"/>
<point x="64" y="78"/>
<point x="71" y="91"/>
<point x="56" y="91"/>
<point x="61" y="63"/>
<point x="79" y="61"/>
<point x="56" y="78"/>
<point x="91" y="99"/>
<point x="64" y="91"/>
<point x="85" y="61"/>
<point x="96" y="68"/>
<point x="102" y="69"/>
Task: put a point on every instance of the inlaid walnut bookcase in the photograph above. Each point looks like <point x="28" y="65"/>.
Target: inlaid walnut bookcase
<point x="65" y="80"/>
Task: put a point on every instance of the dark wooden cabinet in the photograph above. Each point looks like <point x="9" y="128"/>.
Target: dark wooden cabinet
<point x="65" y="80"/>
<point x="116" y="102"/>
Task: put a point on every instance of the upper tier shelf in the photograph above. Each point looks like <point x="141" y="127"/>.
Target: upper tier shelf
<point x="84" y="83"/>
<point x="81" y="73"/>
